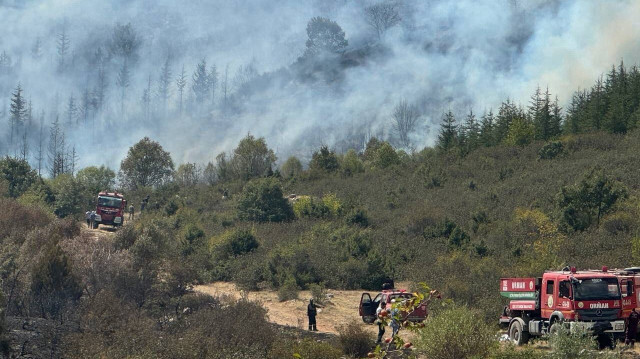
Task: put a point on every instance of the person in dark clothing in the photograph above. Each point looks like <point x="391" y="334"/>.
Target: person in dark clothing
<point x="311" y="313"/>
<point x="632" y="328"/>
<point x="142" y="205"/>
<point x="131" y="212"/>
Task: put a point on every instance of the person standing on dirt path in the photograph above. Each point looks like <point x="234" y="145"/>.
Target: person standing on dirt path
<point x="87" y="216"/>
<point x="632" y="328"/>
<point x="92" y="219"/>
<point x="131" y="212"/>
<point x="311" y="313"/>
<point x="380" y="321"/>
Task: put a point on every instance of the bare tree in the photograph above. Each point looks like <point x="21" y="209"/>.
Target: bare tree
<point x="382" y="16"/>
<point x="40" y="155"/>
<point x="181" y="82"/>
<point x="63" y="43"/>
<point x="405" y="118"/>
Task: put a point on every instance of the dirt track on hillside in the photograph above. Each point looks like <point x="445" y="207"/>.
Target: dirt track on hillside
<point x="342" y="308"/>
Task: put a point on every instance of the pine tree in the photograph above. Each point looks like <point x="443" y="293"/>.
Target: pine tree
<point x="17" y="112"/>
<point x="487" y="137"/>
<point x="85" y="106"/>
<point x="471" y="132"/>
<point x="555" y="126"/>
<point x="448" y="137"/>
<point x="164" y="84"/>
<point x="55" y="150"/>
<point x="123" y="81"/>
<point x="181" y="82"/>
<point x="200" y="82"/>
<point x="146" y="100"/>
<point x="506" y="114"/>
<point x="40" y="154"/>
<point x="213" y="83"/>
<point x="72" y="112"/>
<point x="101" y="88"/>
<point x="225" y="88"/>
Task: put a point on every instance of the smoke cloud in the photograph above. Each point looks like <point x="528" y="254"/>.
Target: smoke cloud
<point x="443" y="55"/>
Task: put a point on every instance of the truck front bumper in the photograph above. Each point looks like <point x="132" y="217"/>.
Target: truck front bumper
<point x="617" y="326"/>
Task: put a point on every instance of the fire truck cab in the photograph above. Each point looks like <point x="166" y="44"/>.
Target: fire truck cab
<point x="110" y="209"/>
<point x="590" y="300"/>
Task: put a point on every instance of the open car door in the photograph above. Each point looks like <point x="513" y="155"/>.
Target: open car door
<point x="367" y="308"/>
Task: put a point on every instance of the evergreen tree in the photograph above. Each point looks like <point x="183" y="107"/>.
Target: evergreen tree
<point x="72" y="112"/>
<point x="123" y="82"/>
<point x="470" y="132"/>
<point x="448" y="137"/>
<point x="181" y="82"/>
<point x="213" y="83"/>
<point x="200" y="85"/>
<point x="146" y="100"/>
<point x="164" y="84"/>
<point x="506" y="114"/>
<point x="56" y="149"/>
<point x="555" y="125"/>
<point x="17" y="112"/>
<point x="487" y="136"/>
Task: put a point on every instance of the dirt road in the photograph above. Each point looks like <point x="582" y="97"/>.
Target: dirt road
<point x="342" y="309"/>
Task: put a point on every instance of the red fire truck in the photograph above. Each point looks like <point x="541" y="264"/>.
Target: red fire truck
<point x="110" y="209"/>
<point x="590" y="300"/>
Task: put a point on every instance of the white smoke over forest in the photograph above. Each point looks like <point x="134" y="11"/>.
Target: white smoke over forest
<point x="80" y="62"/>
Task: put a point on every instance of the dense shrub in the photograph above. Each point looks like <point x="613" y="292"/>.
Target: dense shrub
<point x="357" y="216"/>
<point x="18" y="175"/>
<point x="291" y="168"/>
<point x="386" y="156"/>
<point x="288" y="290"/>
<point x="318" y="293"/>
<point x="351" y="163"/>
<point x="235" y="243"/>
<point x="327" y="207"/>
<point x="324" y="160"/>
<point x="262" y="201"/>
<point x="585" y="203"/>
<point x="355" y="340"/>
<point x="551" y="150"/>
<point x="307" y="349"/>
<point x="456" y="333"/>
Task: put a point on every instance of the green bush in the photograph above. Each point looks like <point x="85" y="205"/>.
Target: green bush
<point x="551" y="150"/>
<point x="318" y="293"/>
<point x="262" y="201"/>
<point x="327" y="207"/>
<point x="355" y="341"/>
<point x="291" y="168"/>
<point x="324" y="160"/>
<point x="357" y="216"/>
<point x="456" y="333"/>
<point x="386" y="156"/>
<point x="289" y="290"/>
<point x="305" y="349"/>
<point x="351" y="163"/>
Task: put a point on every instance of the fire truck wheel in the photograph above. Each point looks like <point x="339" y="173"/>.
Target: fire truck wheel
<point x="555" y="326"/>
<point x="517" y="334"/>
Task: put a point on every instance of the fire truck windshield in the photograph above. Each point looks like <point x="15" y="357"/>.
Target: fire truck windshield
<point x="109" y="202"/>
<point x="596" y="289"/>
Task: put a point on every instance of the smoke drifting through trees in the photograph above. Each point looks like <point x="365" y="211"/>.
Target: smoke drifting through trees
<point x="121" y="64"/>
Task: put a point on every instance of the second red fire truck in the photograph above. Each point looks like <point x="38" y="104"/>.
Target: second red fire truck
<point x="591" y="300"/>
